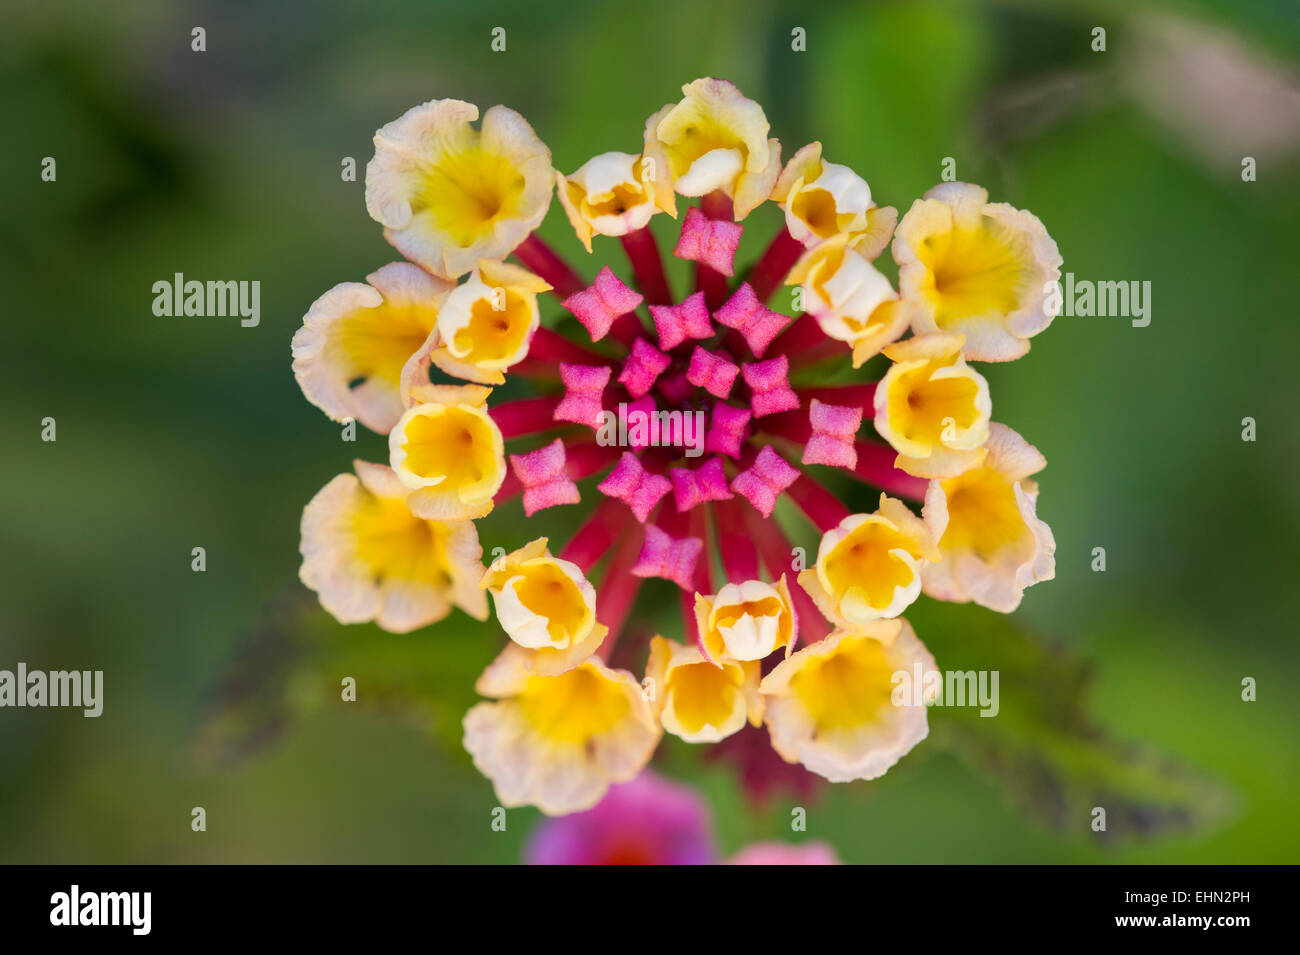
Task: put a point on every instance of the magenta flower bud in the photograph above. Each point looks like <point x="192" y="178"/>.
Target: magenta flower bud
<point x="769" y="384"/>
<point x="643" y="366"/>
<point x="676" y="388"/>
<point x="727" y="430"/>
<point x="636" y="487"/>
<point x="765" y="480"/>
<point x="710" y="242"/>
<point x="754" y="320"/>
<point x="605" y="300"/>
<point x="712" y="372"/>
<point x="545" y="480"/>
<point x="676" y="323"/>
<point x="640" y="409"/>
<point x="671" y="558"/>
<point x="707" y="483"/>
<point x="584" y="386"/>
<point x="834" y="429"/>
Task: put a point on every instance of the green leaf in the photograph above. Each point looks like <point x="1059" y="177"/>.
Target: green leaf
<point x="1043" y="749"/>
<point x="294" y="663"/>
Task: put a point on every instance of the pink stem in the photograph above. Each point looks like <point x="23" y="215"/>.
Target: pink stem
<point x="696" y="525"/>
<point x="775" y="264"/>
<point x="876" y="466"/>
<point x="550" y="347"/>
<point x="821" y="507"/>
<point x="627" y="329"/>
<point x="525" y="416"/>
<point x="776" y="553"/>
<point x="618" y="590"/>
<point x="703" y="571"/>
<point x="739" y="559"/>
<point x="647" y="266"/>
<point x="540" y="258"/>
<point x="716" y="205"/>
<point x="601" y="530"/>
<point x="511" y="487"/>
<point x="804" y="333"/>
<point x="804" y="343"/>
<point x="585" y="458"/>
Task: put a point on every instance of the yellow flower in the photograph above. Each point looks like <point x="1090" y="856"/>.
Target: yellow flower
<point x="849" y="298"/>
<point x="447" y="194"/>
<point x="831" y="705"/>
<point x="611" y="194"/>
<point x="484" y="326"/>
<point x="746" y="621"/>
<point x="933" y="407"/>
<point x="699" y="701"/>
<point x="870" y="565"/>
<point x="824" y="199"/>
<point x="449" y="452"/>
<point x="369" y="558"/>
<point x="994" y="545"/>
<point x="348" y="354"/>
<point x="558" y="742"/>
<point x="715" y="139"/>
<point x="976" y="268"/>
<point x="545" y="603"/>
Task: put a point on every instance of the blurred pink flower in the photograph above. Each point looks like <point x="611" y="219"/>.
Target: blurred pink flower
<point x="783" y="853"/>
<point x="649" y="821"/>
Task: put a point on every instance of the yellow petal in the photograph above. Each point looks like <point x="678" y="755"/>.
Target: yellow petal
<point x="976" y="268"/>
<point x="349" y="353"/>
<point x="369" y="558"/>
<point x="448" y="194"/>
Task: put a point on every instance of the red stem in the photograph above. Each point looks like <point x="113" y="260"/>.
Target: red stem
<point x="820" y="506"/>
<point x="551" y="347"/>
<point x="775" y="264"/>
<point x="618" y="589"/>
<point x="525" y="416"/>
<point x="876" y="466"/>
<point x="540" y="258"/>
<point x="849" y="396"/>
<point x="775" y="550"/>
<point x="626" y="329"/>
<point x="803" y="333"/>
<point x="585" y="458"/>
<point x="594" y="538"/>
<point x="697" y="525"/>
<point x="791" y="425"/>
<point x="647" y="266"/>
<point x="739" y="558"/>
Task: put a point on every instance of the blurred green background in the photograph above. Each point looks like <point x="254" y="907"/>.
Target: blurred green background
<point x="221" y="690"/>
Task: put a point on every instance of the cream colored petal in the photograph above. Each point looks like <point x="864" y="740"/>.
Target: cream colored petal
<point x="322" y="369"/>
<point x="659" y="174"/>
<point x="329" y="568"/>
<point x="803" y="166"/>
<point x="754" y="188"/>
<point x="411" y="148"/>
<point x="875" y="238"/>
<point x="843" y="754"/>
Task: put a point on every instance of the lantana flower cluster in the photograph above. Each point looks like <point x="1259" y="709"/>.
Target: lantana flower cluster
<point x="810" y="652"/>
